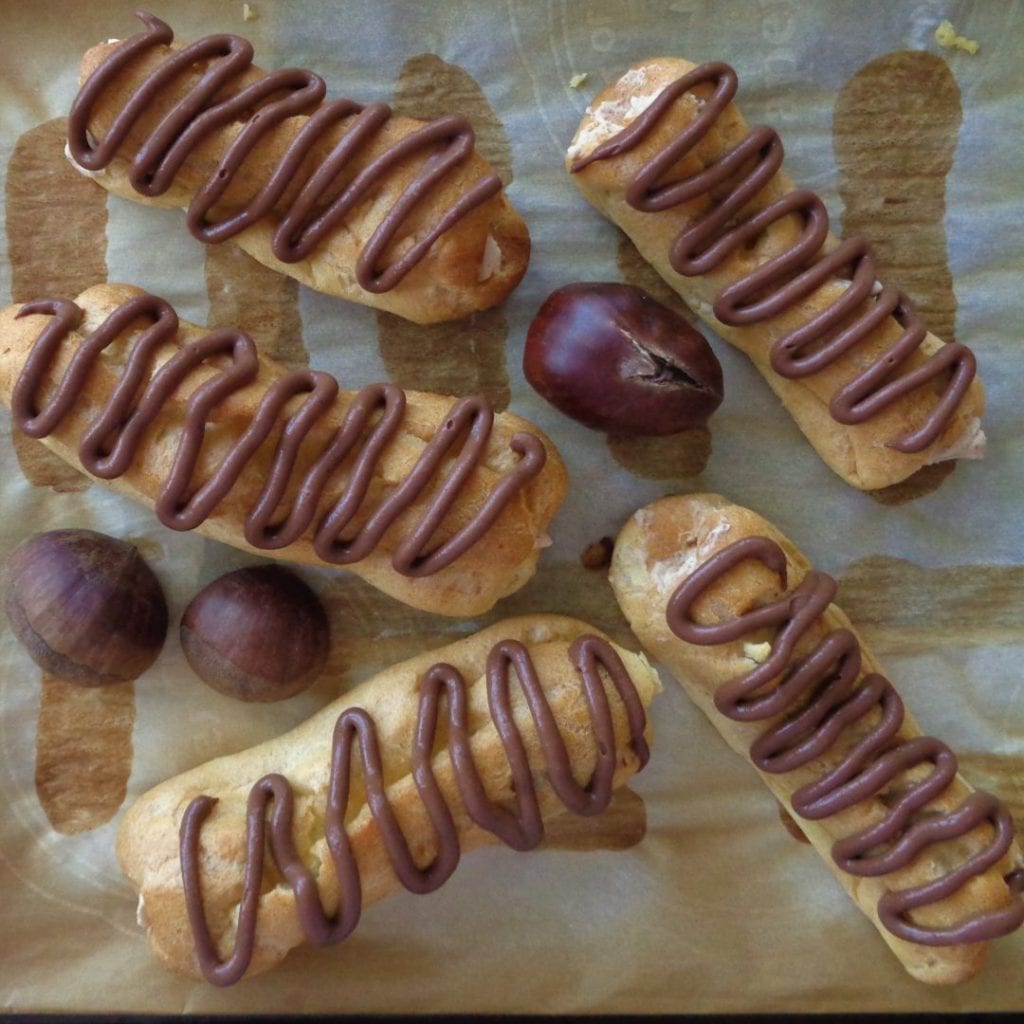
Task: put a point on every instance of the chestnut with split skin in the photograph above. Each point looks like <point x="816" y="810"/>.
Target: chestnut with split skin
<point x="614" y="359"/>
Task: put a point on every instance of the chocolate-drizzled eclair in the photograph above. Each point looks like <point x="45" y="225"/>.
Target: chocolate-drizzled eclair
<point x="733" y="609"/>
<point x="440" y="502"/>
<point x="665" y="154"/>
<point x="241" y="859"/>
<point x="391" y="212"/>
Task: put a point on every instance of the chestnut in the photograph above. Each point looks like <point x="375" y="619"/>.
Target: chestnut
<point x="614" y="359"/>
<point x="86" y="606"/>
<point x="257" y="634"/>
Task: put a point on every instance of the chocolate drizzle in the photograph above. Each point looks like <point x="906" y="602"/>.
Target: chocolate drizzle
<point x="260" y="107"/>
<point x="521" y="829"/>
<point x="109" y="446"/>
<point x="786" y="280"/>
<point x="816" y="697"/>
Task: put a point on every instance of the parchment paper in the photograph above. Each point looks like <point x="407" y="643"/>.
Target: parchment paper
<point x="692" y="896"/>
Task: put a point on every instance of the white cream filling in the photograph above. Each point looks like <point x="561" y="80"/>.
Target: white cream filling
<point x="611" y="116"/>
<point x="969" y="445"/>
<point x="757" y="653"/>
<point x="77" y="166"/>
<point x="669" y="573"/>
<point x="491" y="259"/>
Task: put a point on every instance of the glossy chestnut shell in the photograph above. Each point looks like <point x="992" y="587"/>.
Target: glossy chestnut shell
<point x="257" y="634"/>
<point x="616" y="360"/>
<point x="86" y="606"/>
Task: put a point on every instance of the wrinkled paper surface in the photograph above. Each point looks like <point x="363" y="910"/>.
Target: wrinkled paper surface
<point x="716" y="908"/>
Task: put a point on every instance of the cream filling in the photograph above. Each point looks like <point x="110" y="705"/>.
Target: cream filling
<point x="969" y="445"/>
<point x="77" y="166"/>
<point x="610" y="117"/>
<point x="757" y="653"/>
<point x="491" y="260"/>
<point x="669" y="573"/>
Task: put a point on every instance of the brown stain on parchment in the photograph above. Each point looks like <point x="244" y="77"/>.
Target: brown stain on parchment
<point x="638" y="272"/>
<point x="895" y="130"/>
<point x="83" y="752"/>
<point x="671" y="457"/>
<point x="372" y="631"/>
<point x="917" y="485"/>
<point x="675" y="456"/>
<point x="57" y="244"/>
<point x="466" y="357"/>
<point x="265" y="304"/>
<point x="429" y="87"/>
<point x="790" y="825"/>
<point x="622" y="824"/>
<point x="905" y="608"/>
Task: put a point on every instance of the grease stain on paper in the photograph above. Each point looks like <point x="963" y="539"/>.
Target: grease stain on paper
<point x="56" y="245"/>
<point x="83" y="752"/>
<point x="895" y="130"/>
<point x="466" y="357"/>
<point x="244" y="293"/>
<point x="675" y="456"/>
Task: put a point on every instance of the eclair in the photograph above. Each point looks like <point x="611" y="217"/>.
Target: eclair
<point x="240" y="860"/>
<point x="439" y="502"/>
<point x="665" y="154"/>
<point x="394" y="213"/>
<point x="736" y="613"/>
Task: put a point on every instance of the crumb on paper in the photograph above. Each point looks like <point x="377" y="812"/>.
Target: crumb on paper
<point x="949" y="39"/>
<point x="249" y="12"/>
<point x="577" y="80"/>
<point x="598" y="555"/>
<point x="758" y="653"/>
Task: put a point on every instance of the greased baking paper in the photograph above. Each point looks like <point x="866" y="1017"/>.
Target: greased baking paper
<point x="689" y="894"/>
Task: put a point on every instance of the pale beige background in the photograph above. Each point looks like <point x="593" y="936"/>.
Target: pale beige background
<point x="717" y="909"/>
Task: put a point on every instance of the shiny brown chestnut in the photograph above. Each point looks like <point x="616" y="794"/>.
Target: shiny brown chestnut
<point x="614" y="359"/>
<point x="86" y="606"/>
<point x="257" y="634"/>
